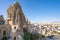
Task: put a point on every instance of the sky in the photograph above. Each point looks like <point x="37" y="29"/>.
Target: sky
<point x="35" y="10"/>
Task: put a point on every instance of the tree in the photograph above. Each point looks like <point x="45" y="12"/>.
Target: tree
<point x="4" y="38"/>
<point x="26" y="35"/>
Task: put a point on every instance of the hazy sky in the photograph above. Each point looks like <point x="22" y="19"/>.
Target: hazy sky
<point x="35" y="10"/>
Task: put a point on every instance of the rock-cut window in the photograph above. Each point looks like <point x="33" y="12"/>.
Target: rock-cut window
<point x="14" y="27"/>
<point x="1" y="22"/>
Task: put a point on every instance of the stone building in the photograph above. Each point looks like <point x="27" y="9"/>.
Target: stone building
<point x="13" y="26"/>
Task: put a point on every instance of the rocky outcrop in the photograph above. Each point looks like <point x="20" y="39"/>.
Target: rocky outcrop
<point x="1" y="18"/>
<point x="2" y="21"/>
<point x="15" y="14"/>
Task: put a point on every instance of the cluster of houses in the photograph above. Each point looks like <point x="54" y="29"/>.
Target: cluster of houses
<point x="48" y="30"/>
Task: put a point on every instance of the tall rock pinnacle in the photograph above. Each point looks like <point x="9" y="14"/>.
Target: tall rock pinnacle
<point x="15" y="14"/>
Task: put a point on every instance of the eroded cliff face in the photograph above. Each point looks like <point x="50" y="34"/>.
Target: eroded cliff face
<point x="2" y="21"/>
<point x="1" y="18"/>
<point x="15" y="15"/>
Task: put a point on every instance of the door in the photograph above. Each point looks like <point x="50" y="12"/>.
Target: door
<point x="15" y="38"/>
<point x="4" y="33"/>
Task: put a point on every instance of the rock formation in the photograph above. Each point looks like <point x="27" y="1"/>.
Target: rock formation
<point x="2" y="19"/>
<point x="15" y="15"/>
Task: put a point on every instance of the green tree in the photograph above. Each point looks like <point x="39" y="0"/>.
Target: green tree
<point x="26" y="35"/>
<point x="4" y="38"/>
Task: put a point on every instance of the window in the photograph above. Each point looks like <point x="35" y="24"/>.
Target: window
<point x="1" y="22"/>
<point x="14" y="27"/>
